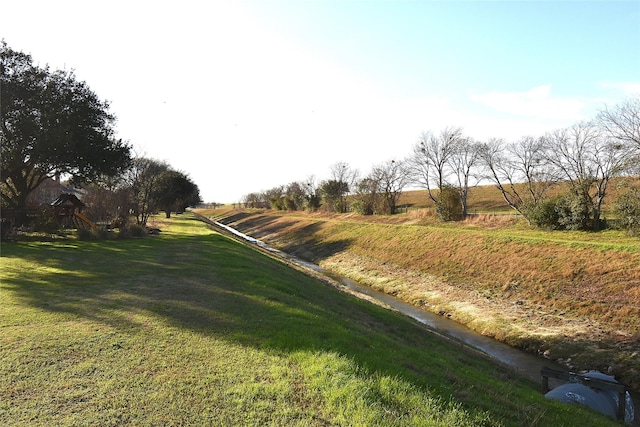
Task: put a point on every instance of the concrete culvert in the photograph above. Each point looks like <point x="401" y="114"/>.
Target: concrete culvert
<point x="591" y="390"/>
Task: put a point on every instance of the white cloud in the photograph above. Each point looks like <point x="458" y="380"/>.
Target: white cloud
<point x="628" y="88"/>
<point x="537" y="103"/>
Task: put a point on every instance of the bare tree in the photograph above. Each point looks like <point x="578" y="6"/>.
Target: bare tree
<point x="588" y="159"/>
<point x="342" y="172"/>
<point x="463" y="162"/>
<point x="391" y="177"/>
<point x="622" y="122"/>
<point x="342" y="181"/>
<point x="445" y="165"/>
<point x="312" y="194"/>
<point x="429" y="163"/>
<point x="107" y="203"/>
<point x="519" y="171"/>
<point x="252" y="200"/>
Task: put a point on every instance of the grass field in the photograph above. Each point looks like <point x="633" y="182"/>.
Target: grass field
<point x="191" y="328"/>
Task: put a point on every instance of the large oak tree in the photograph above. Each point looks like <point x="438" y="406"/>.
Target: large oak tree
<point x="51" y="124"/>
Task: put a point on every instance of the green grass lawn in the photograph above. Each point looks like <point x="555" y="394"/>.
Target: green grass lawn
<point x="191" y="328"/>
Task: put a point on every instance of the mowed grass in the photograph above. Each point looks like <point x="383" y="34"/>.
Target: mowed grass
<point x="191" y="328"/>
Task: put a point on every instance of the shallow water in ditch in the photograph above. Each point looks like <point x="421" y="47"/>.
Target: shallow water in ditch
<point x="526" y="364"/>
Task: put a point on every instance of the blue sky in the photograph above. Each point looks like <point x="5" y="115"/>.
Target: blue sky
<point x="247" y="95"/>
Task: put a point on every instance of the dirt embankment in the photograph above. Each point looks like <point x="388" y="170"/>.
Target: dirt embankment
<point x="574" y="300"/>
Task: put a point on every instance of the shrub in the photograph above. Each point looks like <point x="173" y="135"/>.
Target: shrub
<point x="46" y="221"/>
<point x="573" y="212"/>
<point x="449" y="207"/>
<point x="92" y="234"/>
<point x="313" y="202"/>
<point x="565" y="212"/>
<point x="277" y="203"/>
<point x="627" y="208"/>
<point x="129" y="231"/>
<point x="544" y="214"/>
<point x="363" y="207"/>
<point x="138" y="230"/>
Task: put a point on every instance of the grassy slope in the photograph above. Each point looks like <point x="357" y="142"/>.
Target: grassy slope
<point x="192" y="328"/>
<point x="572" y="295"/>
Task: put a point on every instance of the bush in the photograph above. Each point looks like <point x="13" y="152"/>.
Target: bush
<point x="313" y="203"/>
<point x="277" y="204"/>
<point x="565" y="212"/>
<point x="363" y="207"/>
<point x="129" y="231"/>
<point x="93" y="234"/>
<point x="449" y="207"/>
<point x="573" y="212"/>
<point x="627" y="208"/>
<point x="46" y="221"/>
<point x="544" y="214"/>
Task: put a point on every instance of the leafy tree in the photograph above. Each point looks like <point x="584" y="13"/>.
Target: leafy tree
<point x="274" y="197"/>
<point x="367" y="196"/>
<point x="174" y="192"/>
<point x="546" y="213"/>
<point x="294" y="197"/>
<point x="51" y="124"/>
<point x="333" y="195"/>
<point x="573" y="209"/>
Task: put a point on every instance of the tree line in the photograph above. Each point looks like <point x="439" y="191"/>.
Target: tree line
<point x="52" y="125"/>
<point x="583" y="158"/>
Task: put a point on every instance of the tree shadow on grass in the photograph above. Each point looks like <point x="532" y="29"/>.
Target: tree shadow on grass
<point x="216" y="287"/>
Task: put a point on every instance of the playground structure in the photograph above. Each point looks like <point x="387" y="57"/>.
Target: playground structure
<point x="69" y="211"/>
<point x="80" y="220"/>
